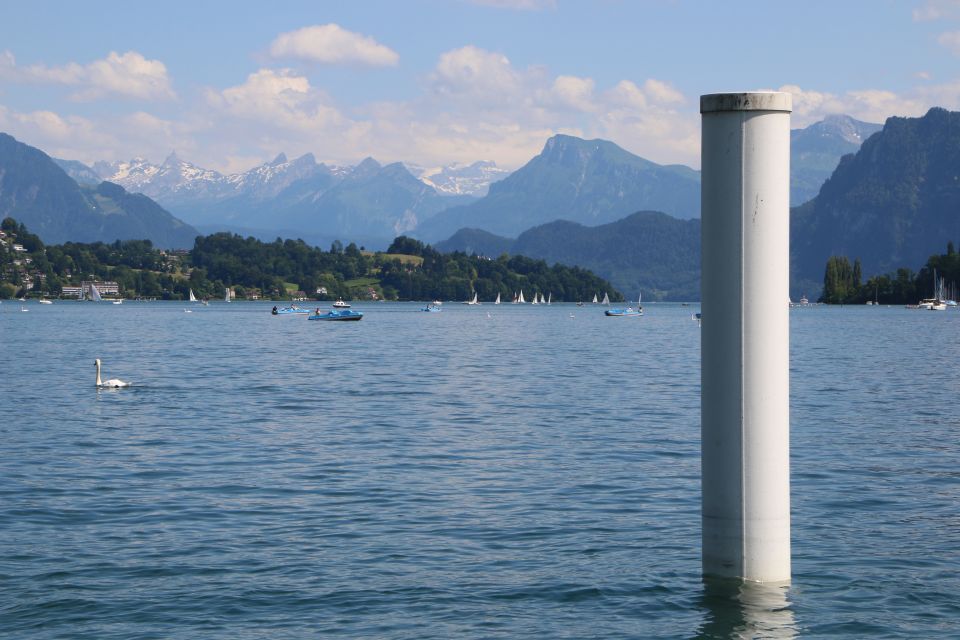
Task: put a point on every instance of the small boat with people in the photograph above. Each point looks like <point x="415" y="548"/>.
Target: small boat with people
<point x="629" y="311"/>
<point x="292" y="309"/>
<point x="336" y="314"/>
<point x="433" y="307"/>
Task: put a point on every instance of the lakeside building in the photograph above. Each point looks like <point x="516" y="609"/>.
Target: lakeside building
<point x="105" y="287"/>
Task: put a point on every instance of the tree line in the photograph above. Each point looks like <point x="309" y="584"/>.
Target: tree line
<point x="843" y="282"/>
<point x="408" y="270"/>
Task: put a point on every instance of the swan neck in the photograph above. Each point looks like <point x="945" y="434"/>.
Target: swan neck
<point x="98" y="375"/>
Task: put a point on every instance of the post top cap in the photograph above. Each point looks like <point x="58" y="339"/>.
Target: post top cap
<point x="747" y="101"/>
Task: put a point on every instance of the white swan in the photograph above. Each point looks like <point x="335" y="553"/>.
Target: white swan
<point x="112" y="383"/>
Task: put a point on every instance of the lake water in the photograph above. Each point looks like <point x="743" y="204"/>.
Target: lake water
<point x="484" y="472"/>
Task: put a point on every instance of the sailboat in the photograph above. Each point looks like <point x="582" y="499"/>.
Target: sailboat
<point x="193" y="298"/>
<point x="520" y="300"/>
<point x="936" y="303"/>
<point x="535" y="300"/>
<point x="550" y="298"/>
<point x="606" y="299"/>
<point x="497" y="301"/>
<point x="594" y="298"/>
<point x="474" y="301"/>
<point x="95" y="294"/>
<point x="226" y="295"/>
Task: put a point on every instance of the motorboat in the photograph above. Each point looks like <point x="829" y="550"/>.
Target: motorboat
<point x="340" y="304"/>
<point x="336" y="314"/>
<point x="432" y="308"/>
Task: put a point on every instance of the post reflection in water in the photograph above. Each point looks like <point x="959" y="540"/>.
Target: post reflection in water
<point x="737" y="609"/>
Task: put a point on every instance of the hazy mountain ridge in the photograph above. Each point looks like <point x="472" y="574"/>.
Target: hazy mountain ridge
<point x="36" y="191"/>
<point x="892" y="204"/>
<point x="816" y="151"/>
<point x="586" y="181"/>
<point x="646" y="252"/>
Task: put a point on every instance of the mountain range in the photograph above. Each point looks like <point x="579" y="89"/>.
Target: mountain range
<point x="816" y="151"/>
<point x="368" y="203"/>
<point x="647" y="252"/>
<point x="586" y="181"/>
<point x="36" y="191"/>
<point x="892" y="204"/>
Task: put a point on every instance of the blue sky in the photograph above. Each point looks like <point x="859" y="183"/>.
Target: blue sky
<point x="431" y="82"/>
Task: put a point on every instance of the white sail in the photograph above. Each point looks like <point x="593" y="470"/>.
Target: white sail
<point x="606" y="299"/>
<point x="594" y="298"/>
<point x="497" y="301"/>
<point x="535" y="300"/>
<point x="520" y="300"/>
<point x="193" y="298"/>
<point x="226" y="295"/>
<point x="94" y="293"/>
<point x="550" y="298"/>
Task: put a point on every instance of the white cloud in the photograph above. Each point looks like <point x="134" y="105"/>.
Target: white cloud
<point x="951" y="41"/>
<point x="128" y="75"/>
<point x="332" y="44"/>
<point x="279" y="99"/>
<point x="869" y="105"/>
<point x="936" y="10"/>
<point x="477" y="76"/>
<point x="573" y="93"/>
<point x="661" y="92"/>
<point x="518" y="5"/>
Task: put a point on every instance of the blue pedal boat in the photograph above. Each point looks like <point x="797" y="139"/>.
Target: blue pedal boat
<point x="337" y="314"/>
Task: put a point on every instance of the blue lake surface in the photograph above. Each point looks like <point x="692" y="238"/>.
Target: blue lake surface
<point x="484" y="472"/>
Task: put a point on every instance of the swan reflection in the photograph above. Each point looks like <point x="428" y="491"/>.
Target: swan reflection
<point x="737" y="609"/>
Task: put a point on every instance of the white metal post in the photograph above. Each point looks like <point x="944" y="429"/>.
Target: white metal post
<point x="745" y="358"/>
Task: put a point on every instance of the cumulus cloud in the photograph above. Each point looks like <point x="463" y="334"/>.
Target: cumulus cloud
<point x="128" y="75"/>
<point x="279" y="97"/>
<point x="951" y="41"/>
<point x="573" y="93"/>
<point x="478" y="76"/>
<point x="869" y="105"/>
<point x="332" y="44"/>
<point x="936" y="10"/>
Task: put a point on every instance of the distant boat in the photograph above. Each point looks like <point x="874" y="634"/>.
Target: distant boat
<point x="534" y="301"/>
<point x="292" y="309"/>
<point x="340" y="304"/>
<point x="95" y="293"/>
<point x="520" y="300"/>
<point x="550" y="298"/>
<point x="118" y="301"/>
<point x="937" y="302"/>
<point x="629" y="311"/>
<point x="45" y="301"/>
<point x="432" y="308"/>
<point x="474" y="301"/>
<point x="497" y="301"/>
<point x="595" y="298"/>
<point x="337" y="314"/>
<point x="606" y="299"/>
<point x="193" y="298"/>
<point x="226" y="294"/>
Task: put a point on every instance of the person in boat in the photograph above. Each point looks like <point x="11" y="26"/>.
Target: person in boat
<point x="274" y="312"/>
